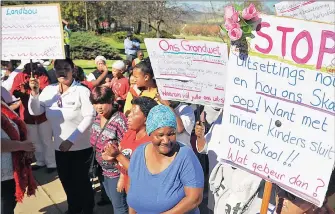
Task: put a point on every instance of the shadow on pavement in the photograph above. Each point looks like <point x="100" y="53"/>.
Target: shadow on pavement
<point x="52" y="210"/>
<point x="42" y="177"/>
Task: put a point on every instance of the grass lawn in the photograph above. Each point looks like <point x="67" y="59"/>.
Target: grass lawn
<point x="120" y="46"/>
<point x="89" y="65"/>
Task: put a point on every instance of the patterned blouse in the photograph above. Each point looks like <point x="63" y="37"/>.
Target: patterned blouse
<point x="113" y="133"/>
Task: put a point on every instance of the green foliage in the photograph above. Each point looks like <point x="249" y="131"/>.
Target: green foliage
<point x="8" y="3"/>
<point x="118" y="36"/>
<point x="152" y="34"/>
<point x="73" y="12"/>
<point x="86" y="45"/>
<point x="121" y="35"/>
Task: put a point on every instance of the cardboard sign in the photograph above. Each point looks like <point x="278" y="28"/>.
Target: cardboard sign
<point x="279" y="113"/>
<point x="322" y="11"/>
<point x="32" y="32"/>
<point x="189" y="71"/>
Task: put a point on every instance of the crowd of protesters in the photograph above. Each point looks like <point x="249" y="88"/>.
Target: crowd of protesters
<point x="151" y="155"/>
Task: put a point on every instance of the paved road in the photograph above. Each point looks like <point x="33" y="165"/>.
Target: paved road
<point x="51" y="199"/>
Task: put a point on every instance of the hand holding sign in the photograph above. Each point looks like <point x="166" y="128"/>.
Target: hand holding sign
<point x="160" y="100"/>
<point x="34" y="85"/>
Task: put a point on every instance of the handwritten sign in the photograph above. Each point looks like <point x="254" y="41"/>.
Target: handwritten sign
<point x="322" y="11"/>
<point x="279" y="112"/>
<point x="32" y="32"/>
<point x="189" y="71"/>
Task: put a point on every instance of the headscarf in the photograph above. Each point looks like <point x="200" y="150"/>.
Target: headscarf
<point x="119" y="65"/>
<point x="98" y="58"/>
<point x="160" y="116"/>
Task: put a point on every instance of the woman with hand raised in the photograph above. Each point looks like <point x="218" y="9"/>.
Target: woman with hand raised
<point x="70" y="112"/>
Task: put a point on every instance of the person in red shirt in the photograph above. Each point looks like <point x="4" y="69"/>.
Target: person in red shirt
<point x="119" y="83"/>
<point x="135" y="136"/>
<point x="39" y="128"/>
<point x="79" y="75"/>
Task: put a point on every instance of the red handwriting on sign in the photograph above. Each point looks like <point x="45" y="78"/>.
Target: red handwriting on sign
<point x="237" y="157"/>
<point x="322" y="50"/>
<point x="298" y="182"/>
<point x="187" y="47"/>
<point x="29" y="37"/>
<point x="192" y="95"/>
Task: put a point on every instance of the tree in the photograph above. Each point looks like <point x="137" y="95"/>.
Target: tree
<point x="154" y="13"/>
<point x="7" y="3"/>
<point x="73" y="12"/>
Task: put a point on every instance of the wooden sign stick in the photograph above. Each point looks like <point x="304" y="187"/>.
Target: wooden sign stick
<point x="266" y="197"/>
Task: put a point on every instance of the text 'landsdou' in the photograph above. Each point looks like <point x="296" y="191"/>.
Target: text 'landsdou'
<point x="20" y="11"/>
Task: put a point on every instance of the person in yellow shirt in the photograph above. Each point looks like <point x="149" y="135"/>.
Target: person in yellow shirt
<point x="144" y="78"/>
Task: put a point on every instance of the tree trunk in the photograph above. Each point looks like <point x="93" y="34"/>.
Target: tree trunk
<point x="86" y="19"/>
<point x="139" y="27"/>
<point x="158" y="31"/>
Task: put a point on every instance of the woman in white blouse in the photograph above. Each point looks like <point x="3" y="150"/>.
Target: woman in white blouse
<point x="71" y="114"/>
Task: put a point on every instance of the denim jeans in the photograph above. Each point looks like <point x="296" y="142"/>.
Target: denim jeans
<point x="119" y="200"/>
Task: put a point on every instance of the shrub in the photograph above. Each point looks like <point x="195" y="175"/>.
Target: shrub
<point x="164" y="34"/>
<point x="121" y="35"/>
<point x="86" y="45"/>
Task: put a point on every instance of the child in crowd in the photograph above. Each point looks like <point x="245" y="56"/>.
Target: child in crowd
<point x="133" y="87"/>
<point x="144" y="77"/>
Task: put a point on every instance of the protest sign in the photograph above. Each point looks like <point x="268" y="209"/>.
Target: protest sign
<point x="32" y="32"/>
<point x="279" y="111"/>
<point x="189" y="71"/>
<point x="322" y="11"/>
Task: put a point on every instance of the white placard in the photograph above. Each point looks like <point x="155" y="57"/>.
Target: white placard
<point x="32" y="32"/>
<point x="322" y="11"/>
<point x="279" y="111"/>
<point x="189" y="71"/>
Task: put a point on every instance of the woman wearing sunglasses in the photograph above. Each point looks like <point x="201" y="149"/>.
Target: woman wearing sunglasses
<point x="70" y="112"/>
